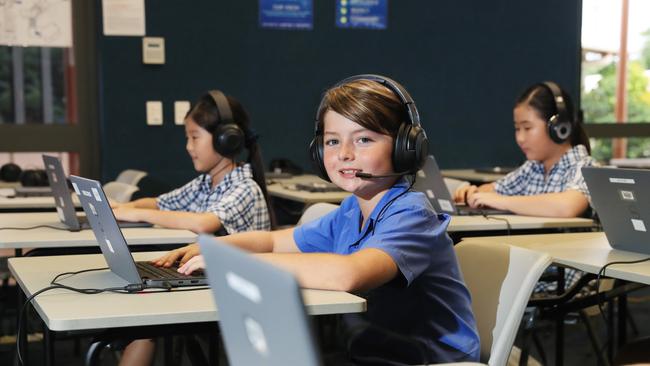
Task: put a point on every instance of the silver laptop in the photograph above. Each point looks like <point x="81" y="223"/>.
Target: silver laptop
<point x="621" y="197"/>
<point x="261" y="312"/>
<point x="114" y="246"/>
<point x="430" y="182"/>
<point x="63" y="198"/>
<point x="33" y="191"/>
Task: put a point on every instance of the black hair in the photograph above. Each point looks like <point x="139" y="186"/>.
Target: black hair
<point x="540" y="98"/>
<point x="206" y="114"/>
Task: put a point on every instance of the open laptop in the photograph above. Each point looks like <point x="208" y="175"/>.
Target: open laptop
<point x="621" y="197"/>
<point x="63" y="198"/>
<point x="261" y="313"/>
<point x="114" y="246"/>
<point x="430" y="182"/>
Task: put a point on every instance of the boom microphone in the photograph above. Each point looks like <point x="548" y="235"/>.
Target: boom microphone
<point x="371" y="176"/>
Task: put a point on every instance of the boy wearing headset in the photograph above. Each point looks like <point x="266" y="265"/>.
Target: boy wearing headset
<point x="385" y="240"/>
<point x="556" y="146"/>
<point x="226" y="197"/>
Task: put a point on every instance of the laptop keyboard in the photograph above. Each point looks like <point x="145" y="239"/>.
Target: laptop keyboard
<point x="150" y="271"/>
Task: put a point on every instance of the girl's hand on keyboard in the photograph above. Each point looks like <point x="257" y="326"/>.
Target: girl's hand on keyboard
<point x="183" y="255"/>
<point x="192" y="265"/>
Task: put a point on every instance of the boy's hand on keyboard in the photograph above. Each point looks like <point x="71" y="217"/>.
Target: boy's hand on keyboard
<point x="196" y="263"/>
<point x="181" y="255"/>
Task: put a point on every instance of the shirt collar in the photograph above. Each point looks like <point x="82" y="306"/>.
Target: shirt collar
<point x="354" y="212"/>
<point x="570" y="158"/>
<point x="237" y="175"/>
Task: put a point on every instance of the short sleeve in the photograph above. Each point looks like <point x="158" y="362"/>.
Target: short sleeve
<point x="318" y="236"/>
<point x="180" y="198"/>
<point x="514" y="183"/>
<point x="237" y="209"/>
<point x="578" y="183"/>
<point x="411" y="235"/>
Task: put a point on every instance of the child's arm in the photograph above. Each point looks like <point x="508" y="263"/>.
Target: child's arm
<point x="252" y="241"/>
<point x="465" y="191"/>
<point x="149" y="203"/>
<point x="363" y="270"/>
<point x="570" y="203"/>
<point x="204" y="222"/>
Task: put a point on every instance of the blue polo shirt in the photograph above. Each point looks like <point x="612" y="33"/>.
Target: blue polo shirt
<point x="427" y="302"/>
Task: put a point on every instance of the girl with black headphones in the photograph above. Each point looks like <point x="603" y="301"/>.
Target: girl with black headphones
<point x="226" y="197"/>
<point x="556" y="146"/>
<point x="385" y="240"/>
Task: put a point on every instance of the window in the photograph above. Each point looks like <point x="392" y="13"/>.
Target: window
<point x="616" y="77"/>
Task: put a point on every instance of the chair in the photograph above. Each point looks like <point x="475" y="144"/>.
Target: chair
<point x="500" y="279"/>
<point x="119" y="192"/>
<point x="131" y="176"/>
<point x="315" y="211"/>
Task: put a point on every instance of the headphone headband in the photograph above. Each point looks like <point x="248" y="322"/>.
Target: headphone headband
<point x="394" y="86"/>
<point x="223" y="107"/>
<point x="560" y="104"/>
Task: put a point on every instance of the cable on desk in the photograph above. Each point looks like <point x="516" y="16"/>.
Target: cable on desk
<point x="135" y="288"/>
<point x="490" y="217"/>
<point x="601" y="273"/>
<point x="34" y="227"/>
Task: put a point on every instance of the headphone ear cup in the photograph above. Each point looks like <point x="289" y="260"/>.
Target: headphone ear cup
<point x="228" y="140"/>
<point x="316" y="154"/>
<point x="10" y="172"/>
<point x="411" y="148"/>
<point x="559" y="132"/>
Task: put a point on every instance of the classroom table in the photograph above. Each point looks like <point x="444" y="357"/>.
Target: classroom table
<point x="42" y="203"/>
<point x="475" y="223"/>
<point x="45" y="237"/>
<point x="471" y="175"/>
<point x="588" y="252"/>
<point x="110" y="310"/>
<point x="285" y="188"/>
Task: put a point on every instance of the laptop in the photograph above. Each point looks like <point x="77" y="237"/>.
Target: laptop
<point x="33" y="191"/>
<point x="430" y="182"/>
<point x="63" y="198"/>
<point x="114" y="246"/>
<point x="261" y="313"/>
<point x="621" y="197"/>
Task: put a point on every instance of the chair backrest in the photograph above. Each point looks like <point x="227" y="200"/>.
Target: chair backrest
<point x="131" y="176"/>
<point x="315" y="211"/>
<point x="119" y="191"/>
<point x="500" y="279"/>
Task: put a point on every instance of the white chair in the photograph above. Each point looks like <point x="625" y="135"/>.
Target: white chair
<point x="119" y="192"/>
<point x="500" y="279"/>
<point x="315" y="211"/>
<point x="131" y="176"/>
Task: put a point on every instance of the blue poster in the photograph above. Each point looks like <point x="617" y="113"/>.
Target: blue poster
<point x="372" y="14"/>
<point x="286" y="14"/>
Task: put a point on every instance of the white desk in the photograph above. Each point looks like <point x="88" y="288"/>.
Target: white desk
<point x="285" y="188"/>
<point x="588" y="252"/>
<point x="31" y="203"/>
<point x="52" y="238"/>
<point x="471" y="175"/>
<point x="493" y="223"/>
<point x="110" y="310"/>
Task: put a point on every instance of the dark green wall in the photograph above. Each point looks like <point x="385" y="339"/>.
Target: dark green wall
<point x="464" y="63"/>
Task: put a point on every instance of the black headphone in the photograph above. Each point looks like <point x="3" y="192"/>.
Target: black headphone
<point x="559" y="125"/>
<point x="411" y="145"/>
<point x="10" y="172"/>
<point x="228" y="139"/>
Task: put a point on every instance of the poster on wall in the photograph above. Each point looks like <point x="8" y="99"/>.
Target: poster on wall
<point x="36" y="23"/>
<point x="287" y="14"/>
<point x="369" y="14"/>
<point x="123" y="17"/>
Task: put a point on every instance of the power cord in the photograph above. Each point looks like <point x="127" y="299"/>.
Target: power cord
<point x="34" y="227"/>
<point x="601" y="273"/>
<point x="128" y="289"/>
<point x="490" y="217"/>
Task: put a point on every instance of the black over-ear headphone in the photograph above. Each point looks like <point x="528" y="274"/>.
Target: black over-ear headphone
<point x="411" y="145"/>
<point x="228" y="138"/>
<point x="559" y="125"/>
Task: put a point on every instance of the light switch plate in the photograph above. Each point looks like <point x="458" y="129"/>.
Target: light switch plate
<point x="181" y="107"/>
<point x="154" y="113"/>
<point x="153" y="50"/>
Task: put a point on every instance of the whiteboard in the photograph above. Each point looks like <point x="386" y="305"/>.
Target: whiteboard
<point x="40" y="23"/>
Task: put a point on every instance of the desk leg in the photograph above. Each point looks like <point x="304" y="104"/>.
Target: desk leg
<point x="22" y="325"/>
<point x="48" y="346"/>
<point x="611" y="330"/>
<point x="622" y="320"/>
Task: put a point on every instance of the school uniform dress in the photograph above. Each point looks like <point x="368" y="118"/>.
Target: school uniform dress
<point x="529" y="179"/>
<point x="427" y="307"/>
<point x="237" y="200"/>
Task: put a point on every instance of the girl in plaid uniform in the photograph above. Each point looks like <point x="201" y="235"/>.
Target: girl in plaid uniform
<point x="226" y="197"/>
<point x="556" y="145"/>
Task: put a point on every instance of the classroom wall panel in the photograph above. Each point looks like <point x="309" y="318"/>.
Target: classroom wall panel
<point x="464" y="62"/>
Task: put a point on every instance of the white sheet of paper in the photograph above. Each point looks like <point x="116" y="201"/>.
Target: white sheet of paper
<point x="123" y="17"/>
